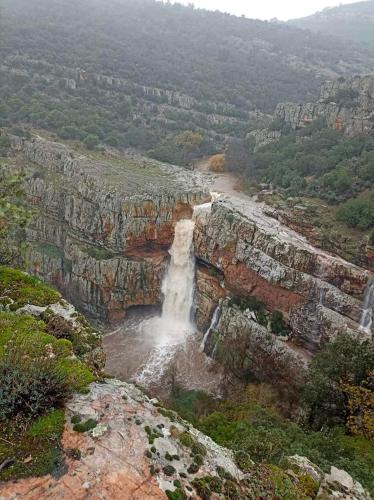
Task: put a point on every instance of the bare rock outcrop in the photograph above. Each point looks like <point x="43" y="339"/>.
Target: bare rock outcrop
<point x="135" y="450"/>
<point x="245" y="347"/>
<point x="258" y="256"/>
<point x="102" y="228"/>
<point x="344" y="104"/>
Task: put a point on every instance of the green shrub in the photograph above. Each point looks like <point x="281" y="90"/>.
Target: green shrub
<point x="344" y="361"/>
<point x="193" y="468"/>
<point x="152" y="434"/>
<point x="85" y="426"/>
<point x="278" y="325"/>
<point x="91" y="141"/>
<point x="29" y="386"/>
<point x="76" y="373"/>
<point x="169" y="470"/>
<point x="25" y="289"/>
<point x="190" y="405"/>
<point x="49" y="424"/>
<point x="357" y="213"/>
<point x="177" y="494"/>
<point x="35" y="448"/>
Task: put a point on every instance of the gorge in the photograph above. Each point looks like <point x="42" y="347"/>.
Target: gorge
<point x="105" y="245"/>
<point x="186" y="254"/>
<point x="197" y="292"/>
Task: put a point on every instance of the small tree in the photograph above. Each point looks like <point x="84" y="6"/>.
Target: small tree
<point x="344" y="363"/>
<point x="91" y="141"/>
<point x="217" y="163"/>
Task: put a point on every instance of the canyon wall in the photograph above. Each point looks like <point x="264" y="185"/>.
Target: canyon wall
<point x="254" y="255"/>
<point x="101" y="230"/>
<point x="344" y="104"/>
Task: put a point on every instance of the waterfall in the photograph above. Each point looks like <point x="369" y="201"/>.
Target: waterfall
<point x="171" y="330"/>
<point x="178" y="285"/>
<point x="213" y="324"/>
<point x="367" y="308"/>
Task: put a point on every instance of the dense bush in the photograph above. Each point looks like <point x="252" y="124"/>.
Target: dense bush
<point x="251" y="425"/>
<point x="358" y="212"/>
<point x="278" y="324"/>
<point x="217" y="163"/>
<point x="91" y="141"/>
<point x="238" y="158"/>
<point x="29" y="386"/>
<point x="344" y="363"/>
<point x="180" y="149"/>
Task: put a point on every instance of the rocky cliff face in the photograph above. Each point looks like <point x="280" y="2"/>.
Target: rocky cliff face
<point x="102" y="229"/>
<point x="245" y="347"/>
<point x="346" y="105"/>
<point x="320" y="295"/>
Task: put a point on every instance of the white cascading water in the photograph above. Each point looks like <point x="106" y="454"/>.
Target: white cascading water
<point x="178" y="285"/>
<point x="174" y="326"/>
<point x="367" y="309"/>
<point x="213" y="324"/>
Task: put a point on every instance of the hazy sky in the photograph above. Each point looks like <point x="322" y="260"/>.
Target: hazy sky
<point x="267" y="9"/>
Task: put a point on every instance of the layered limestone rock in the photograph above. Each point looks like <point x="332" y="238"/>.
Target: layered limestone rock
<point x="101" y="230"/>
<point x="165" y="100"/>
<point x="209" y="291"/>
<point x="346" y="105"/>
<point x="245" y="347"/>
<point x="321" y="295"/>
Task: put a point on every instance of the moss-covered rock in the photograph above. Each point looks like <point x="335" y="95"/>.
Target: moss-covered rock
<point x="24" y="289"/>
<point x="34" y="451"/>
<point x="47" y="352"/>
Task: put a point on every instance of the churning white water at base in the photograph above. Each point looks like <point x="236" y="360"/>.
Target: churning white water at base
<point x="162" y="351"/>
<point x="171" y="330"/>
<point x="367" y="309"/>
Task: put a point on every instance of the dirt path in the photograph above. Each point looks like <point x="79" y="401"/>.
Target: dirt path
<point x="222" y="183"/>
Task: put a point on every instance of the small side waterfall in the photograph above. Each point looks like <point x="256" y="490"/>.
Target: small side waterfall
<point x="367" y="308"/>
<point x="213" y="324"/>
<point x="322" y="295"/>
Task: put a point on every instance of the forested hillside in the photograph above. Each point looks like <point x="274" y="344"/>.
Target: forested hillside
<point x="351" y="22"/>
<point x="138" y="73"/>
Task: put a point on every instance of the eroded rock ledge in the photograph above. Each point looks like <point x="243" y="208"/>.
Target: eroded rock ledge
<point x="320" y="295"/>
<point x="103" y="228"/>
<point x="352" y="116"/>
